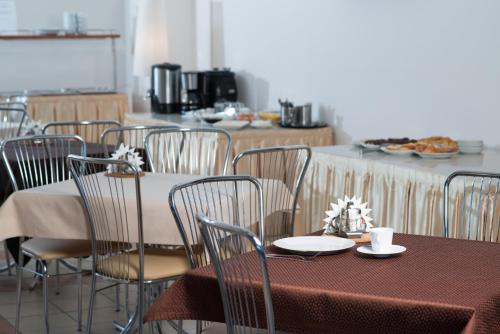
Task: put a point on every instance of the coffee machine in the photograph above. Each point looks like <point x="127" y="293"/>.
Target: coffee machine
<point x="192" y="96"/>
<point x="219" y="85"/>
<point x="165" y="90"/>
<point x="173" y="91"/>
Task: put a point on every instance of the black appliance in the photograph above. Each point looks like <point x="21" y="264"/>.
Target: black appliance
<point x="219" y="86"/>
<point x="166" y="88"/>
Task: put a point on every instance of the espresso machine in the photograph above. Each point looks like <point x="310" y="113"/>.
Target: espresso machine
<point x="165" y="90"/>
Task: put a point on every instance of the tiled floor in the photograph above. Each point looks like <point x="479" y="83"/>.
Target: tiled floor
<point x="62" y="307"/>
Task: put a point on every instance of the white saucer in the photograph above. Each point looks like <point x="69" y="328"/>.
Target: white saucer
<point x="394" y="250"/>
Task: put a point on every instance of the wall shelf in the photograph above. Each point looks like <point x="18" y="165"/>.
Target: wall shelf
<point x="97" y="34"/>
<point x="37" y="37"/>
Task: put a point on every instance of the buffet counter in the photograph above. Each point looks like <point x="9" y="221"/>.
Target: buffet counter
<point x="246" y="138"/>
<point x="404" y="192"/>
<point x="50" y="108"/>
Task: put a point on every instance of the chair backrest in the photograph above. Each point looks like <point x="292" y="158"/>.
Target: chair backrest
<point x="90" y="131"/>
<point x="14" y="104"/>
<point x="39" y="160"/>
<point x="113" y="205"/>
<point x="275" y="167"/>
<point x="129" y="135"/>
<point x="12" y="117"/>
<point x="203" y="151"/>
<point x="240" y="275"/>
<point x="133" y="136"/>
<point x="234" y="199"/>
<point x="470" y="206"/>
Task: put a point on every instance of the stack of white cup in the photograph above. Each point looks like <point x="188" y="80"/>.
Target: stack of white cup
<point x="470" y="146"/>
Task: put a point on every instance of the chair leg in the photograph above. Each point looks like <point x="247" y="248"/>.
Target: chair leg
<point x="19" y="273"/>
<point x="91" y="303"/>
<point x="7" y="258"/>
<point x="45" y="281"/>
<point x="117" y="298"/>
<point x="80" y="290"/>
<point x="127" y="306"/>
<point x="148" y="303"/>
<point x="179" y="327"/>
<point x="198" y="326"/>
<point x="140" y="305"/>
<point x="58" y="282"/>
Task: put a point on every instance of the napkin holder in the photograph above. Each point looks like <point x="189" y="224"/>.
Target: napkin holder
<point x="350" y="235"/>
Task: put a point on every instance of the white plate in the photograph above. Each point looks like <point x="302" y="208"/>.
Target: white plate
<point x="394" y="250"/>
<point x="362" y="144"/>
<point x="314" y="244"/>
<point x="406" y="153"/>
<point x="231" y="124"/>
<point x="437" y="155"/>
<point x="261" y="124"/>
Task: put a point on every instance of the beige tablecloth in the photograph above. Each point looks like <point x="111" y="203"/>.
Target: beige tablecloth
<point x="246" y="138"/>
<point x="56" y="211"/>
<point x="78" y="107"/>
<point x="405" y="193"/>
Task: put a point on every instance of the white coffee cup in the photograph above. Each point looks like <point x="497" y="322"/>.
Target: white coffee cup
<point x="381" y="238"/>
<point x="70" y="22"/>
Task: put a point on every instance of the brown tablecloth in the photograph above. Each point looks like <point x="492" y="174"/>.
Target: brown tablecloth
<point x="437" y="286"/>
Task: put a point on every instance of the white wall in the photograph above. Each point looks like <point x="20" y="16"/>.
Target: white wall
<point x="181" y="26"/>
<point x="52" y="64"/>
<point x="371" y="68"/>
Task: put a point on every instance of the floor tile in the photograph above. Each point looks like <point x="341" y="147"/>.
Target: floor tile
<point x="36" y="323"/>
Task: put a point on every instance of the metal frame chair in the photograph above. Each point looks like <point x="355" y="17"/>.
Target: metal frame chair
<point x="116" y="255"/>
<point x="287" y="164"/>
<point x="210" y="195"/>
<point x="173" y="151"/>
<point x="36" y="167"/>
<point x="226" y="243"/>
<point x="7" y="110"/>
<point x="237" y="199"/>
<point x="477" y="206"/>
<point x="8" y="115"/>
<point x="90" y="130"/>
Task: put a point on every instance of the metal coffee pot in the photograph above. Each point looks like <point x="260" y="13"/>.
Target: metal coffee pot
<point x="299" y="116"/>
<point x="286" y="112"/>
<point x="302" y="116"/>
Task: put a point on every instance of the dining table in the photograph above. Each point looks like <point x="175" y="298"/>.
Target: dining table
<point x="56" y="210"/>
<point x="438" y="285"/>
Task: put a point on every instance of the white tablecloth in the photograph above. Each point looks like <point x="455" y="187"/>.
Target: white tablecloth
<point x="404" y="192"/>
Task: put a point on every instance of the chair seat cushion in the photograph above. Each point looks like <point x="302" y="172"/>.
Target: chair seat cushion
<point x="158" y="264"/>
<point x="55" y="249"/>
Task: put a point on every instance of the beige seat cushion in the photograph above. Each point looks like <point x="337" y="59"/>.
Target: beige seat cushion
<point x="158" y="264"/>
<point x="218" y="328"/>
<point x="54" y="249"/>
